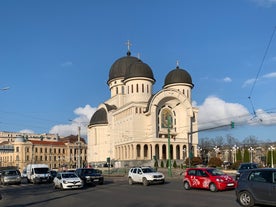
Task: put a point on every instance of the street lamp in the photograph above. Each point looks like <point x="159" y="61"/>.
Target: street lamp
<point x="251" y="153"/>
<point x="234" y="149"/>
<point x="216" y="150"/>
<point x="271" y="148"/>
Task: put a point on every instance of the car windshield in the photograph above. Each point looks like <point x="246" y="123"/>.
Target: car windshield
<point x="69" y="175"/>
<point x="247" y="166"/>
<point x="215" y="172"/>
<point x="91" y="171"/>
<point x="42" y="170"/>
<point x="148" y="170"/>
<point x="12" y="172"/>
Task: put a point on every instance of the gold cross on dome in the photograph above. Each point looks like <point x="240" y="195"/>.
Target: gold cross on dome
<point x="128" y="45"/>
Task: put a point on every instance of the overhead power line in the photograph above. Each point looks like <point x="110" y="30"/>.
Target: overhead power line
<point x="259" y="70"/>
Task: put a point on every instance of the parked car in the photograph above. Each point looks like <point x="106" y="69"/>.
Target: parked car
<point x="207" y="178"/>
<point x="145" y="175"/>
<point x="257" y="186"/>
<point x="67" y="180"/>
<point x="245" y="166"/>
<point x="90" y="176"/>
<point x="11" y="176"/>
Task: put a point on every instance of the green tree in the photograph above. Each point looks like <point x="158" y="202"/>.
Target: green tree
<point x="174" y="164"/>
<point x="246" y="156"/>
<point x="162" y="164"/>
<point x="239" y="155"/>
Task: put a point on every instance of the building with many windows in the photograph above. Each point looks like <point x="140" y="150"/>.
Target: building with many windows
<point x="136" y="125"/>
<point x="21" y="150"/>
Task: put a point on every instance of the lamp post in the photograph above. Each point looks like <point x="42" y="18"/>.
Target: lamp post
<point x="169" y="146"/>
<point x="235" y="148"/>
<point x="271" y="148"/>
<point x="216" y="150"/>
<point x="251" y="153"/>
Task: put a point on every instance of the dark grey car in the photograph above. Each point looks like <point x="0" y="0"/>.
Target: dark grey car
<point x="257" y="186"/>
<point x="245" y="166"/>
<point x="90" y="176"/>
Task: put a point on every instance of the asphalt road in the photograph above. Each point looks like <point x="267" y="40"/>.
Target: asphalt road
<point x="115" y="192"/>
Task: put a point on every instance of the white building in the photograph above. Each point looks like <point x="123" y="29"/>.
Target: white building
<point x="132" y="126"/>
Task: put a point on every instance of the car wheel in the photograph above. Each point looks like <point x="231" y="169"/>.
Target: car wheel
<point x="186" y="185"/>
<point x="145" y="182"/>
<point x="245" y="199"/>
<point x="213" y="187"/>
<point x="130" y="181"/>
<point x="61" y="186"/>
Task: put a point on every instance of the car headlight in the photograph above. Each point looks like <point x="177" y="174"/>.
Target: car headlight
<point x="64" y="181"/>
<point x="219" y="180"/>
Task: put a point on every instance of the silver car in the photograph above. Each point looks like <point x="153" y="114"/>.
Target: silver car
<point x="10" y="177"/>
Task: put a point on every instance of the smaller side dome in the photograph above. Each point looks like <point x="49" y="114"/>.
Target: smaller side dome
<point x="139" y="69"/>
<point x="178" y="76"/>
<point x="99" y="117"/>
<point x="19" y="139"/>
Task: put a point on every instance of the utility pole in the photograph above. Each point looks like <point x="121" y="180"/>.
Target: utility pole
<point x="78" y="158"/>
<point x="169" y="146"/>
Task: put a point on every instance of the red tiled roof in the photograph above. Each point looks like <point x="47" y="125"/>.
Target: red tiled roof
<point x="51" y="143"/>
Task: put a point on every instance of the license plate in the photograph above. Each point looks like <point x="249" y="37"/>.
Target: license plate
<point x="230" y="184"/>
<point x="96" y="179"/>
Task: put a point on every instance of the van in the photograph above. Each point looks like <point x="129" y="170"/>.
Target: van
<point x="38" y="173"/>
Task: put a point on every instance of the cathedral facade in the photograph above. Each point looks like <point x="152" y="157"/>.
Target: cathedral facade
<point x="136" y="125"/>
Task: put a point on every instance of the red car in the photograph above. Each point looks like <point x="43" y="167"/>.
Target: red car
<point x="207" y="178"/>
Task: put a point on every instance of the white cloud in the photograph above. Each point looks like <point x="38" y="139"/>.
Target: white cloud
<point x="67" y="64"/>
<point x="270" y="75"/>
<point x="264" y="118"/>
<point x="27" y="131"/>
<point x="248" y="82"/>
<point x="265" y="3"/>
<point x="227" y="80"/>
<point x="216" y="112"/>
<point x="84" y="115"/>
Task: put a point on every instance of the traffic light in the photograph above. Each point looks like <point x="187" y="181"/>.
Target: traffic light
<point x="232" y="124"/>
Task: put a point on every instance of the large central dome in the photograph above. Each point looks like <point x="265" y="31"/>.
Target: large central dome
<point x="120" y="66"/>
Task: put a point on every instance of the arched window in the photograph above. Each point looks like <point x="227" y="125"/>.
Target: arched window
<point x="143" y="88"/>
<point x="166" y="118"/>
<point x="137" y="88"/>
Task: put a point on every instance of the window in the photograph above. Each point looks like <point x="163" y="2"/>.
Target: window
<point x="261" y="176"/>
<point x="137" y="88"/>
<point x="131" y="88"/>
<point x="143" y="88"/>
<point x="17" y="149"/>
<point x="166" y="116"/>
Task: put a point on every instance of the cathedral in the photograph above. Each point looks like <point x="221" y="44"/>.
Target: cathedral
<point x="135" y="126"/>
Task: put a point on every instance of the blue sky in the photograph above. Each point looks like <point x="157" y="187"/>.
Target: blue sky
<point x="55" y="58"/>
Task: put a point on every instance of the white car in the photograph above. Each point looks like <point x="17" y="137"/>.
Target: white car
<point x="145" y="175"/>
<point x="67" y="180"/>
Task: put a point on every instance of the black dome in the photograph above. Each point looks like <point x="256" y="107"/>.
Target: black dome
<point x="178" y="76"/>
<point x="139" y="69"/>
<point x="120" y="66"/>
<point x="99" y="117"/>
